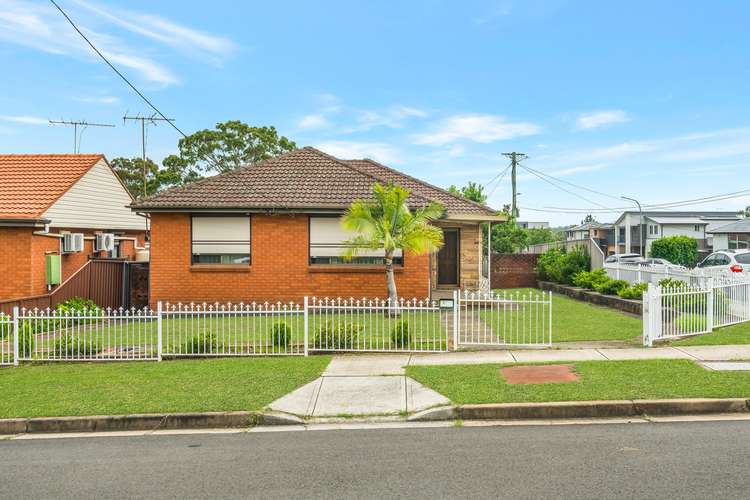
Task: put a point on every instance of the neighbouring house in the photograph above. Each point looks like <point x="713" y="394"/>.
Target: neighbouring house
<point x="732" y="236"/>
<point x="532" y="225"/>
<point x="271" y="232"/>
<point x="653" y="225"/>
<point x="600" y="232"/>
<point x="57" y="211"/>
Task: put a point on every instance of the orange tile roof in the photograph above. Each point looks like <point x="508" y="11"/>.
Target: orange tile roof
<point x="29" y="184"/>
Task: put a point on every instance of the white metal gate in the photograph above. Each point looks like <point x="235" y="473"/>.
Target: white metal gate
<point x="514" y="318"/>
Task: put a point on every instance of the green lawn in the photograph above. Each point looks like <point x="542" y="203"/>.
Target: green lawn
<point x="599" y="380"/>
<point x="150" y="387"/>
<point x="577" y="321"/>
<point x="735" y="334"/>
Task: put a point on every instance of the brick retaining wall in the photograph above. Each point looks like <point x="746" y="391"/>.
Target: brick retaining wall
<point x="513" y="270"/>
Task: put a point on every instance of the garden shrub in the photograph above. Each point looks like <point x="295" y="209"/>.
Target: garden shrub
<point x="560" y="266"/>
<point x="337" y="335"/>
<point x="281" y="334"/>
<point x="73" y="345"/>
<point x="634" y="291"/>
<point x="682" y="250"/>
<point x="78" y="305"/>
<point x="672" y="283"/>
<point x="589" y="279"/>
<point x="611" y="287"/>
<point x="26" y="339"/>
<point x="6" y="328"/>
<point x="401" y="336"/>
<point x="202" y="343"/>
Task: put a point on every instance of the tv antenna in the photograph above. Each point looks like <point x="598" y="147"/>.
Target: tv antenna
<point x="145" y="120"/>
<point x="75" y="124"/>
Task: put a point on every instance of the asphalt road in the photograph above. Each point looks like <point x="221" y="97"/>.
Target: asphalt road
<point x="665" y="460"/>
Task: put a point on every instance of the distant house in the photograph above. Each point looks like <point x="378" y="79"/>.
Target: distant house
<point x="532" y="225"/>
<point x="732" y="236"/>
<point x="634" y="230"/>
<point x="271" y="231"/>
<point x="57" y="211"/>
<point x="600" y="232"/>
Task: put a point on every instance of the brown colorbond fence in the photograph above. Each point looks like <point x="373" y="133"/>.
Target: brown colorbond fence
<point x="98" y="280"/>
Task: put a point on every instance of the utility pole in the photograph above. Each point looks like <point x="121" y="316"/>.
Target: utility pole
<point x="515" y="159"/>
<point x="75" y="124"/>
<point x="144" y="121"/>
<point x="641" y="247"/>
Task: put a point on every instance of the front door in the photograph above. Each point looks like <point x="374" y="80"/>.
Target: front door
<point x="447" y="259"/>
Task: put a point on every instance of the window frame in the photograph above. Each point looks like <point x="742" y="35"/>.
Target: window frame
<point x="219" y="216"/>
<point x="398" y="263"/>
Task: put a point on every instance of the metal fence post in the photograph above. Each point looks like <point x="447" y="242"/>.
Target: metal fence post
<point x="305" y="318"/>
<point x="646" y="305"/>
<point x="159" y="344"/>
<point x="550" y="317"/>
<point x="710" y="305"/>
<point x="617" y="269"/>
<point x="15" y="335"/>
<point x="456" y="298"/>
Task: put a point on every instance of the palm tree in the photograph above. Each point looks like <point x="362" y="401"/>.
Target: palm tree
<point x="387" y="223"/>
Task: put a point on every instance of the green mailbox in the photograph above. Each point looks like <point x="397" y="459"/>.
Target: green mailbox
<point x="52" y="269"/>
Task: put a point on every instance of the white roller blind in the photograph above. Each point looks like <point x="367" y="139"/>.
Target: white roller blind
<point x="221" y="235"/>
<point x="327" y="237"/>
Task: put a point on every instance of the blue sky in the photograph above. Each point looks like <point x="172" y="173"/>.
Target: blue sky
<point x="644" y="99"/>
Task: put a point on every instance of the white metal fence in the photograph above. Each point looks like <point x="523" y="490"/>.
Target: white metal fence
<point x="638" y="273"/>
<point x="682" y="309"/>
<point x="503" y="318"/>
<point x="198" y="330"/>
<point x="377" y="325"/>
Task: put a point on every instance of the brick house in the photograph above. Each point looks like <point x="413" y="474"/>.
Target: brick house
<point x="43" y="198"/>
<point x="271" y="231"/>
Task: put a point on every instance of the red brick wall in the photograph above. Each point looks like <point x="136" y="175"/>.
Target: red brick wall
<point x="15" y="262"/>
<point x="513" y="270"/>
<point x="279" y="270"/>
<point x="22" y="259"/>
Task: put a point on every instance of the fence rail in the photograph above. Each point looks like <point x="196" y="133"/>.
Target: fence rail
<point x="681" y="310"/>
<point x="280" y="329"/>
<point x="637" y="273"/>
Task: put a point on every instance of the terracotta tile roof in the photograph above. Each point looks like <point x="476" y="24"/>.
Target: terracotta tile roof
<point x="29" y="184"/>
<point x="302" y="179"/>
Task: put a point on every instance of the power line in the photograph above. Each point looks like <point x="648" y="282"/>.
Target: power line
<point x="567" y="190"/>
<point x="675" y="204"/>
<point x="571" y="184"/>
<point x="153" y="119"/>
<point x="501" y="175"/>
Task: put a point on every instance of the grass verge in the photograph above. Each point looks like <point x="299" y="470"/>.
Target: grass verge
<point x="143" y="387"/>
<point x="599" y="380"/>
<point x="577" y="321"/>
<point x="735" y="334"/>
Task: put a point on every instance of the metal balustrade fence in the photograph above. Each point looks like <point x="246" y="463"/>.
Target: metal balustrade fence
<point x="680" y="309"/>
<point x="279" y="329"/>
<point x="504" y="318"/>
<point x="637" y="273"/>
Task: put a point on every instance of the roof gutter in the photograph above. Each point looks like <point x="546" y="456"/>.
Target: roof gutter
<point x="10" y="222"/>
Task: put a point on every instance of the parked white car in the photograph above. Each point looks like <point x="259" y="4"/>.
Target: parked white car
<point x="625" y="258"/>
<point x="736" y="261"/>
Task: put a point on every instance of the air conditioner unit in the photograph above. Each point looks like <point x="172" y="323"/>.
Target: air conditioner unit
<point x="105" y="242"/>
<point x="72" y="242"/>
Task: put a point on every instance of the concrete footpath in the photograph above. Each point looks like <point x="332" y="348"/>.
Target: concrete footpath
<point x="376" y="384"/>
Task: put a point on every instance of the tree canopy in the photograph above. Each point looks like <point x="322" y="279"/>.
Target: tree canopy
<point x="130" y="171"/>
<point x="472" y="191"/>
<point x="230" y="145"/>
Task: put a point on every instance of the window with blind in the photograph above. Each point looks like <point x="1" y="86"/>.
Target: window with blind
<point x="220" y="240"/>
<point x="327" y="245"/>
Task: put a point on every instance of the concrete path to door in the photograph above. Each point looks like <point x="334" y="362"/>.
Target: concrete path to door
<point x="357" y="385"/>
<point x="376" y="384"/>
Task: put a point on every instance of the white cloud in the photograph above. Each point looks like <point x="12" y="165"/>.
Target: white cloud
<point x="349" y="150"/>
<point x="25" y="119"/>
<point x="184" y="39"/>
<point x="476" y="128"/>
<point x="41" y="27"/>
<point x="596" y="119"/>
<point x="312" y="121"/>
<point x="392" y="117"/>
<point x="105" y="99"/>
